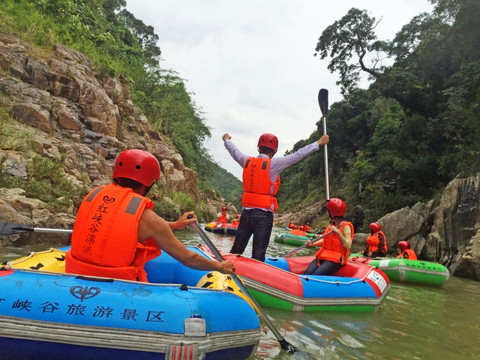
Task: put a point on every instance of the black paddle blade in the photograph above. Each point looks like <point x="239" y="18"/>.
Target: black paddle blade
<point x="287" y="346"/>
<point x="323" y="101"/>
<point x="7" y="228"/>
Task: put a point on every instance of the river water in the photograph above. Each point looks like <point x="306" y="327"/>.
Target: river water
<point x="413" y="322"/>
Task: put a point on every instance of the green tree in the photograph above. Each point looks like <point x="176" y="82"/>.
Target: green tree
<point x="145" y="36"/>
<point x="349" y="42"/>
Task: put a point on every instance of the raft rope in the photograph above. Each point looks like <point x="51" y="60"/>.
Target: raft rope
<point x="337" y="282"/>
<point x="207" y="253"/>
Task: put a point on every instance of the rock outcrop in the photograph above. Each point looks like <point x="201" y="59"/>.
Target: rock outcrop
<point x="63" y="112"/>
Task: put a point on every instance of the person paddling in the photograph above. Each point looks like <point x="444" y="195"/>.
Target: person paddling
<point x="261" y="180"/>
<point x="335" y="247"/>
<point x="404" y="251"/>
<point x="376" y="242"/>
<point x="116" y="230"/>
<point x="223" y="216"/>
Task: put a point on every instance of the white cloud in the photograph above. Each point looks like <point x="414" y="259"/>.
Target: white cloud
<point x="250" y="63"/>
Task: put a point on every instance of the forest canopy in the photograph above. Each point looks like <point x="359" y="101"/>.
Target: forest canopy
<point x="416" y="127"/>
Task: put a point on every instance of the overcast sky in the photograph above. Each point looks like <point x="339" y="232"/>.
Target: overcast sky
<point x="249" y="64"/>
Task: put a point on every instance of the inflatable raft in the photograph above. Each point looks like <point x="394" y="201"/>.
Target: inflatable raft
<point x="406" y="270"/>
<point x="47" y="314"/>
<point x="293" y="238"/>
<point x="279" y="283"/>
<point x="221" y="228"/>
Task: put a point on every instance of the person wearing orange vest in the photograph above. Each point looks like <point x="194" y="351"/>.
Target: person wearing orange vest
<point x="236" y="220"/>
<point x="223" y="216"/>
<point x="335" y="246"/>
<point x="261" y="180"/>
<point x="307" y="227"/>
<point x="404" y="251"/>
<point x="292" y="226"/>
<point x="116" y="230"/>
<point x="376" y="242"/>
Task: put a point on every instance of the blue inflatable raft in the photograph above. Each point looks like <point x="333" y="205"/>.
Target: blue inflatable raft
<point x="52" y="315"/>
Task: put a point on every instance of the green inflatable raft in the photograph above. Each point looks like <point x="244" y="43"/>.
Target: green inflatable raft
<point x="406" y="270"/>
<point x="289" y="238"/>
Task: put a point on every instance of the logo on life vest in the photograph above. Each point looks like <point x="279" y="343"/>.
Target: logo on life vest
<point x="108" y="200"/>
<point x="84" y="292"/>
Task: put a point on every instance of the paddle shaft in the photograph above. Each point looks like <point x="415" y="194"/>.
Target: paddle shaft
<point x="56" y="231"/>
<point x="8" y="228"/>
<point x="311" y="243"/>
<point x="323" y="103"/>
<point x="284" y="343"/>
<point x="325" y="155"/>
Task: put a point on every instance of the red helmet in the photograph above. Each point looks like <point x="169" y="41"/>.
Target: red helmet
<point x="336" y="207"/>
<point x="375" y="227"/>
<point x="404" y="245"/>
<point x="224" y="208"/>
<point x="138" y="165"/>
<point x="268" y="140"/>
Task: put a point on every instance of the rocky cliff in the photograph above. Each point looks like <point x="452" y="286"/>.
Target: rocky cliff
<point x="446" y="230"/>
<point x="57" y="109"/>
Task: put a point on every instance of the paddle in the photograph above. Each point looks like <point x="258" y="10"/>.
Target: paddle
<point x="323" y="102"/>
<point x="311" y="244"/>
<point x="283" y="343"/>
<point x="8" y="228"/>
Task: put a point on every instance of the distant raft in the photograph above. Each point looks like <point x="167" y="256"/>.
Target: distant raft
<point x="47" y="314"/>
<point x="221" y="228"/>
<point x="293" y="238"/>
<point x="406" y="270"/>
<point x="279" y="283"/>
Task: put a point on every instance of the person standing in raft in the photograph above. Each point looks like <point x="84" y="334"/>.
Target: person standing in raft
<point x="404" y="251"/>
<point x="335" y="247"/>
<point x="223" y="216"/>
<point x="116" y="231"/>
<point x="376" y="242"/>
<point x="261" y="180"/>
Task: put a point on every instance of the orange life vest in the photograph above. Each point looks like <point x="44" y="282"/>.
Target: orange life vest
<point x="257" y="185"/>
<point x="373" y="242"/>
<point x="222" y="218"/>
<point x="104" y="239"/>
<point x="410" y="254"/>
<point x="332" y="248"/>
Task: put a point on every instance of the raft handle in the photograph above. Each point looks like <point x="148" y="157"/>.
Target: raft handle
<point x="184" y="287"/>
